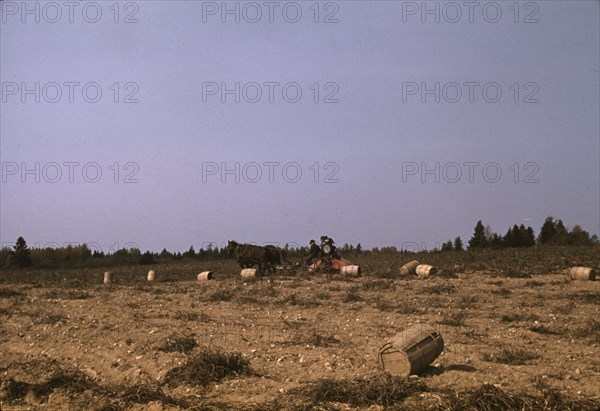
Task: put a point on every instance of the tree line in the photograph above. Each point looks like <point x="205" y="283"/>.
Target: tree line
<point x="552" y="232"/>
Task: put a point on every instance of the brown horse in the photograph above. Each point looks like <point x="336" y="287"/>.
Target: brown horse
<point x="249" y="255"/>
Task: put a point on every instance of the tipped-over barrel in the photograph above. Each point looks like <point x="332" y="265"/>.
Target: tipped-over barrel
<point x="411" y="351"/>
<point x="409" y="268"/>
<point x="205" y="276"/>
<point x="425" y="270"/>
<point x="582" y="273"/>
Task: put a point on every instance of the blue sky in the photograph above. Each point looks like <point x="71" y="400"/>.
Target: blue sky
<point x="374" y="129"/>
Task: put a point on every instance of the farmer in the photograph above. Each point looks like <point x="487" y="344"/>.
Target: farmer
<point x="314" y="252"/>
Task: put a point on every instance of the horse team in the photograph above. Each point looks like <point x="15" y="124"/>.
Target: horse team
<point x="250" y="255"/>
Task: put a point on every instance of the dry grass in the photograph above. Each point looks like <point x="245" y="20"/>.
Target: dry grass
<point x="514" y="356"/>
<point x="590" y="330"/>
<point x="219" y="295"/>
<point x="501" y="292"/>
<point x="178" y="343"/>
<point x="513" y="273"/>
<point x="66" y="295"/>
<point x="54" y="376"/>
<point x="208" y="366"/>
<point x="319" y="340"/>
<point x="145" y="393"/>
<point x="192" y="316"/>
<point x="51" y="376"/>
<point x="379" y="285"/>
<point x="380" y="389"/>
<point x="6" y="292"/>
<point x="352" y="296"/>
<point x="439" y="289"/>
<point x="540" y="329"/>
<point x="294" y="300"/>
<point x="491" y="398"/>
<point x="455" y="319"/>
<point x="467" y="301"/>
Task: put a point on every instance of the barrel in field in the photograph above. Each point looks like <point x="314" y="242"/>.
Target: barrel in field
<point x="205" y="276"/>
<point x="151" y="275"/>
<point x="249" y="273"/>
<point x="411" y="351"/>
<point x="107" y="277"/>
<point x="424" y="270"/>
<point x="582" y="273"/>
<point x="350" y="270"/>
<point x="409" y="268"/>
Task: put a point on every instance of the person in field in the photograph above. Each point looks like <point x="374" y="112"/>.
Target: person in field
<point x="314" y="252"/>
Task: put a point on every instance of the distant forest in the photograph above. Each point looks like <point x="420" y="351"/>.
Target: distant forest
<point x="552" y="233"/>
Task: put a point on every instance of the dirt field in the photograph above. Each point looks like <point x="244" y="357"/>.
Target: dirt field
<point x="518" y="335"/>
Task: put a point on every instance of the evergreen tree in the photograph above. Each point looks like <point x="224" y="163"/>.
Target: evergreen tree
<point x="191" y="253"/>
<point x="529" y="237"/>
<point x="579" y="236"/>
<point x="547" y="231"/>
<point x="508" y="239"/>
<point x="561" y="235"/>
<point x="478" y="240"/>
<point x="165" y="254"/>
<point x="22" y="254"/>
<point x="496" y="241"/>
<point x="447" y="246"/>
<point x="458" y="244"/>
<point x="517" y="237"/>
<point x="489" y="235"/>
<point x="147" y="258"/>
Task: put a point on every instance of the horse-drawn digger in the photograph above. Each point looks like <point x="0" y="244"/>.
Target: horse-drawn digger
<point x="327" y="260"/>
<point x="270" y="259"/>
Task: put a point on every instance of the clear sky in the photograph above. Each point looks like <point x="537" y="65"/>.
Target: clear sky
<point x="498" y="103"/>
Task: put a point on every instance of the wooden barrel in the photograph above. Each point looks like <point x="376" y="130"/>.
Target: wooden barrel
<point x="424" y="270"/>
<point x="582" y="273"/>
<point x="205" y="276"/>
<point x="151" y="275"/>
<point x="107" y="277"/>
<point x="249" y="273"/>
<point x="411" y="351"/>
<point x="350" y="270"/>
<point x="409" y="268"/>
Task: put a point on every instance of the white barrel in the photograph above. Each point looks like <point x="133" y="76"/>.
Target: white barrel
<point x="248" y="273"/>
<point x="205" y="276"/>
<point x="582" y="273"/>
<point x="424" y="270"/>
<point x="409" y="268"/>
<point x="107" y="277"/>
<point x="151" y="275"/>
<point x="350" y="270"/>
